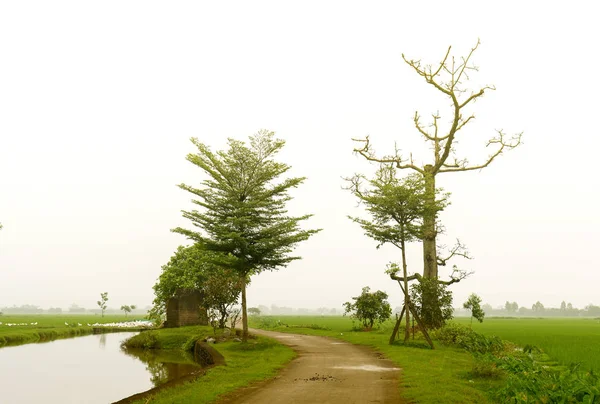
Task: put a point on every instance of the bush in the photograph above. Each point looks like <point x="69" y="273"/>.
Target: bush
<point x="369" y="307"/>
<point x="469" y="340"/>
<point x="433" y="302"/>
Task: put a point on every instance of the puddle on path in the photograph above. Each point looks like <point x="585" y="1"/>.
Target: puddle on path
<point x="368" y="368"/>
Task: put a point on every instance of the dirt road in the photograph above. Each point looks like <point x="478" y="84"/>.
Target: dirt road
<point x="325" y="371"/>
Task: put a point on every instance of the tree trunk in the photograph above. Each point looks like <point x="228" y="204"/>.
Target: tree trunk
<point x="244" y="312"/>
<point x="430" y="267"/>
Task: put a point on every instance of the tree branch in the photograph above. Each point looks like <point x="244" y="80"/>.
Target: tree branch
<point x="367" y="152"/>
<point x="514" y="142"/>
<point x="458" y="250"/>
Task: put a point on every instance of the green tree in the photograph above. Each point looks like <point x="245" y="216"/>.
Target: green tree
<point x="369" y="307"/>
<point x="254" y="311"/>
<point x="191" y="268"/>
<point x="128" y="308"/>
<point x="448" y="78"/>
<point x="473" y="303"/>
<point x="244" y="217"/>
<point x="396" y="209"/>
<point x="102" y="302"/>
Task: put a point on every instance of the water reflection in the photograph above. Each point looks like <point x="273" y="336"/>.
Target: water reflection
<point x="165" y="365"/>
<point x="102" y="341"/>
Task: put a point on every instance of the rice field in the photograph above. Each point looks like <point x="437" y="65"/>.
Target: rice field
<point x="566" y="340"/>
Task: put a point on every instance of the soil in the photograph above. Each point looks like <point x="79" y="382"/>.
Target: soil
<point x="325" y="371"/>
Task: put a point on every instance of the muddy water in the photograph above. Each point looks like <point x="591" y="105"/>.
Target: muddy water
<point x="91" y="369"/>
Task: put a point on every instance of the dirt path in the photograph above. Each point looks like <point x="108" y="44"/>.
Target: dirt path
<point x="325" y="371"/>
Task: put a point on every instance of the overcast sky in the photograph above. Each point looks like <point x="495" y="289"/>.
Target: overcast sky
<point x="98" y="101"/>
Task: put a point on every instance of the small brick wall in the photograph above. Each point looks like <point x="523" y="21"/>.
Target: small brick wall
<point x="185" y="309"/>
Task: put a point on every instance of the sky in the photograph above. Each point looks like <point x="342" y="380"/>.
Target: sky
<point x="98" y="101"/>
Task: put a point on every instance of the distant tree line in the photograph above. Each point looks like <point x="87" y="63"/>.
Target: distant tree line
<point x="73" y="309"/>
<point x="539" y="310"/>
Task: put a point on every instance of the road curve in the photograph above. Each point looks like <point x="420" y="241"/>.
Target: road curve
<point x="326" y="371"/>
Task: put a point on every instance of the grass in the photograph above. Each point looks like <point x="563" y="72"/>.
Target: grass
<point x="49" y="326"/>
<point x="566" y="340"/>
<point x="429" y="376"/>
<point x="259" y="359"/>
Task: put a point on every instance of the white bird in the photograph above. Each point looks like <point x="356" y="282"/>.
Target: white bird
<point x="89" y="325"/>
<point x="79" y="324"/>
<point x="66" y="323"/>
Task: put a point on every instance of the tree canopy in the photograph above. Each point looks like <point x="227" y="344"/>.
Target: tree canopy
<point x="243" y="216"/>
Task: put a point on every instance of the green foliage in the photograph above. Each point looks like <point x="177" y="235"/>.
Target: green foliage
<point x="396" y="206"/>
<point x="473" y="303"/>
<point x="369" y="307"/>
<point x="432" y="301"/>
<point x="532" y="379"/>
<point x="190" y="268"/>
<point x="243" y="217"/>
<point x="102" y="302"/>
<point x="254" y="311"/>
<point x="467" y="339"/>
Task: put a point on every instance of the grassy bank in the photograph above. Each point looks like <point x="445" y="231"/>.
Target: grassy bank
<point x="259" y="359"/>
<point x="428" y="376"/>
<point x="47" y="327"/>
<point x="566" y="340"/>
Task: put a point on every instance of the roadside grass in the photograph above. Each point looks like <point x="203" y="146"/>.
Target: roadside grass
<point x="428" y="376"/>
<point x="259" y="359"/>
<point x="50" y="326"/>
<point x="566" y="340"/>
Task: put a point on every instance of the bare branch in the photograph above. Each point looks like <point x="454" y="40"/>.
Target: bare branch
<point x="458" y="250"/>
<point x="367" y="152"/>
<point x="456" y="276"/>
<point x="420" y="128"/>
<point x="502" y="143"/>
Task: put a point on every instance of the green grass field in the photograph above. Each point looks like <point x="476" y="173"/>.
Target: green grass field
<point x="48" y="327"/>
<point x="565" y="340"/>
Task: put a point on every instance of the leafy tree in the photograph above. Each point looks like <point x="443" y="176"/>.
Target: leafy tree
<point x="433" y="302"/>
<point x="244" y="218"/>
<point x="190" y="268"/>
<point x="102" y="302"/>
<point x="538" y="307"/>
<point x="448" y="78"/>
<point x="254" y="311"/>
<point x="563" y="306"/>
<point x="369" y="307"/>
<point x="511" y="307"/>
<point x="128" y="308"/>
<point x="473" y="303"/>
<point x="396" y="207"/>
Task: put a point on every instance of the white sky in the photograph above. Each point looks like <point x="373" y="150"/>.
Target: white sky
<point x="98" y="101"/>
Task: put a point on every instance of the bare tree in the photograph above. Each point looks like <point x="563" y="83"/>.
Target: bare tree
<point x="448" y="78"/>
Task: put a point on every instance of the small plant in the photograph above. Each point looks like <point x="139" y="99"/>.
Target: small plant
<point x="102" y="302"/>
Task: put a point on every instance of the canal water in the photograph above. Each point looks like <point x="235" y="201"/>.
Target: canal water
<point x="83" y="370"/>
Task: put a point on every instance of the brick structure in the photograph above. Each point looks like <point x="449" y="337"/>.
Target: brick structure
<point x="186" y="309"/>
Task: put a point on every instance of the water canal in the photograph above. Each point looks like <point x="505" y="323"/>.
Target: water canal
<point x="91" y="369"/>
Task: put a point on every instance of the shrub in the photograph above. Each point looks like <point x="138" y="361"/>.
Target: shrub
<point x="369" y="307"/>
<point x="433" y="302"/>
<point x="469" y="340"/>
